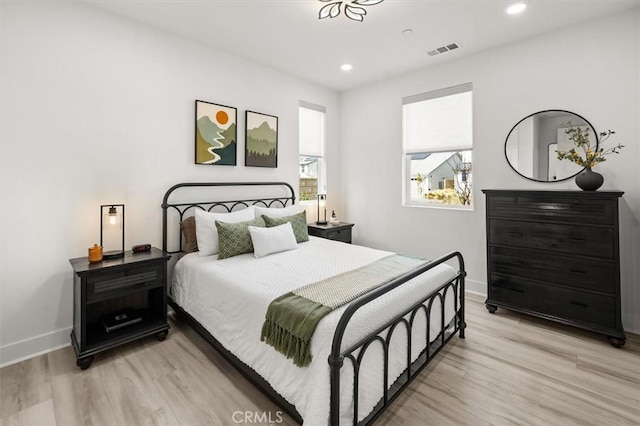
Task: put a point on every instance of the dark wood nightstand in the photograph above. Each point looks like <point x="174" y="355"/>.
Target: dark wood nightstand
<point x="339" y="232"/>
<point x="133" y="288"/>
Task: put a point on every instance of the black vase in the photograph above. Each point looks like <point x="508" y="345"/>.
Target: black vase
<point x="588" y="180"/>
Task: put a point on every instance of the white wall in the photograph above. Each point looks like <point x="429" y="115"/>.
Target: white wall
<point x="98" y="109"/>
<point x="591" y="69"/>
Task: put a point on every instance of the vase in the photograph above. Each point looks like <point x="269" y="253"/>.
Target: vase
<point x="588" y="180"/>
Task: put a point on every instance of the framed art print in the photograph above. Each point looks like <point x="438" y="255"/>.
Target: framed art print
<point x="216" y="134"/>
<point x="261" y="148"/>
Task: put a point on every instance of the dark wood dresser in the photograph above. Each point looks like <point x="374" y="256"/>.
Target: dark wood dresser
<point x="555" y="255"/>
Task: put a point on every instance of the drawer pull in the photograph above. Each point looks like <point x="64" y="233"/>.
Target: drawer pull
<point x="578" y="271"/>
<point x="515" y="234"/>
<point x="516" y="290"/>
<point x="577" y="240"/>
<point x="584" y="305"/>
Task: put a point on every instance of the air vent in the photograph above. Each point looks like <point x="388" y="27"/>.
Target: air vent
<point x="443" y="49"/>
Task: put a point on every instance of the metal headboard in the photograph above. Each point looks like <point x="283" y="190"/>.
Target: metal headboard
<point x="182" y="207"/>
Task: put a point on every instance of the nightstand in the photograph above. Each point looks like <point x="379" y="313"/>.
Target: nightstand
<point x="118" y="301"/>
<point x="339" y="232"/>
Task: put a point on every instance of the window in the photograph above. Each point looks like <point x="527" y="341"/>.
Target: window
<point x="311" y="140"/>
<point x="437" y="142"/>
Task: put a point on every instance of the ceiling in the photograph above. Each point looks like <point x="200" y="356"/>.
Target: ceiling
<point x="287" y="34"/>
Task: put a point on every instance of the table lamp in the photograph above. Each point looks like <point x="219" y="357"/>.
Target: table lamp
<point x="112" y="221"/>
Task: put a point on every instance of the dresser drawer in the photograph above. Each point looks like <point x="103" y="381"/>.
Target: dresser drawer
<point x="590" y="274"/>
<point x="558" y="302"/>
<point x="553" y="209"/>
<point x="106" y="285"/>
<point x="587" y="241"/>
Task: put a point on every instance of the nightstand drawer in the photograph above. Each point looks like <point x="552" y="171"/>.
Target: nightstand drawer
<point x="558" y="302"/>
<point x="106" y="285"/>
<point x="550" y="267"/>
<point x="336" y="232"/>
<point x="571" y="239"/>
<point x="343" y="235"/>
<point x="553" y="209"/>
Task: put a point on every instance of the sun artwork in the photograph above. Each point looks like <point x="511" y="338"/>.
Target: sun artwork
<point x="222" y="117"/>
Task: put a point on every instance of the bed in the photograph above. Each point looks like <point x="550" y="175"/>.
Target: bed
<point x="364" y="353"/>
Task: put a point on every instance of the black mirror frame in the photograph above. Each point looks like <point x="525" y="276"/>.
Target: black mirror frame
<point x="539" y="112"/>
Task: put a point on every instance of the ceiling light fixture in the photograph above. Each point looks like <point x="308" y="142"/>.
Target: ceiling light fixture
<point x="346" y="67"/>
<point x="353" y="9"/>
<point x="516" y="8"/>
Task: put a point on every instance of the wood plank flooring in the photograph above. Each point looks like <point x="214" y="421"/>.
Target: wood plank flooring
<point x="510" y="370"/>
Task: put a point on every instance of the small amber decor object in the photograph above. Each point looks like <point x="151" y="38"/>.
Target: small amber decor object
<point x="95" y="254"/>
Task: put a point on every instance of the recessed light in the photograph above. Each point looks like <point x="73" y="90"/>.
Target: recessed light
<point x="407" y="32"/>
<point x="516" y="8"/>
<point x="346" y="67"/>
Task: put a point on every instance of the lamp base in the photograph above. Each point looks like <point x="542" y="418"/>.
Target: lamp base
<point x="114" y="254"/>
<point x="321" y="223"/>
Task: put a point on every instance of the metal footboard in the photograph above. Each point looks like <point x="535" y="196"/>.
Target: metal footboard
<point x="455" y="287"/>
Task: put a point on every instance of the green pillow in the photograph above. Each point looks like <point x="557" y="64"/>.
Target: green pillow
<point x="298" y="223"/>
<point x="234" y="238"/>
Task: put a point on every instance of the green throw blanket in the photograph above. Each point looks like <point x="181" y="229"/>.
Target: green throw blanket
<point x="293" y="317"/>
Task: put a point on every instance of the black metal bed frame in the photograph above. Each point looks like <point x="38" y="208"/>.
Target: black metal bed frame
<point x="354" y="353"/>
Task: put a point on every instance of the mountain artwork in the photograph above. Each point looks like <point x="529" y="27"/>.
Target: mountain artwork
<point x="216" y="134"/>
<point x="261" y="140"/>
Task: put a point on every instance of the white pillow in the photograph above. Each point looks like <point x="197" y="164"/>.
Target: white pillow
<point x="278" y="212"/>
<point x="272" y="240"/>
<point x="206" y="231"/>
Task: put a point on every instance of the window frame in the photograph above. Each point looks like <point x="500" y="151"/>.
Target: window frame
<point x="407" y="200"/>
<point x="322" y="168"/>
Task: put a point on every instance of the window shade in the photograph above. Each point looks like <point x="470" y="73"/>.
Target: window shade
<point x="438" y="121"/>
<point x="311" y="131"/>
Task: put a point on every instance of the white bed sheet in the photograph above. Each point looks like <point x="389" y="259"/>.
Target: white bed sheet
<point x="230" y="297"/>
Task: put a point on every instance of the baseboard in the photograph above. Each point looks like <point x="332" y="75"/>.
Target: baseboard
<point x="476" y="287"/>
<point x="34" y="346"/>
<point x="631" y="323"/>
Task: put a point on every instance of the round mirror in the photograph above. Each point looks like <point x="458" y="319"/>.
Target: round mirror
<point x="532" y="144"/>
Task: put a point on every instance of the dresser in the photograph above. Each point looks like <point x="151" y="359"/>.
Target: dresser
<point x="555" y="255"/>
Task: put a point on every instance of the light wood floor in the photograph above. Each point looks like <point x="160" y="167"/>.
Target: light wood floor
<point x="511" y="369"/>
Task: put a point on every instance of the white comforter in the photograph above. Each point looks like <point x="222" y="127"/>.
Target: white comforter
<point x="230" y="297"/>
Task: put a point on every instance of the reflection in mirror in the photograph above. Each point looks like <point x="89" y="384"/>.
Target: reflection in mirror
<point x="552" y="173"/>
<point x="532" y="144"/>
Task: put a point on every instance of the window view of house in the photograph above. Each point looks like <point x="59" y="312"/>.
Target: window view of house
<point x="311" y="160"/>
<point x="309" y="177"/>
<point x="438" y="141"/>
